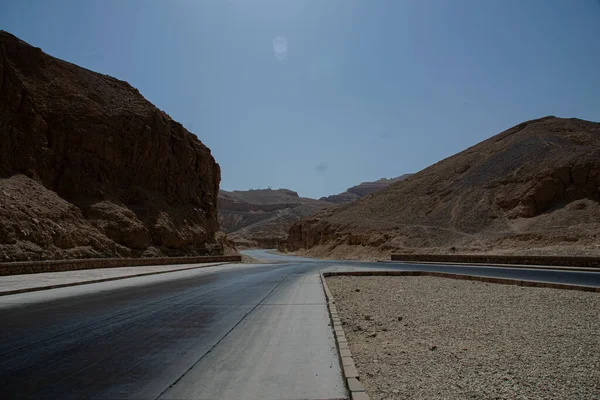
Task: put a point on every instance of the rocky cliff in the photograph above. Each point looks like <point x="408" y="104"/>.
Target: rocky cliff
<point x="89" y="168"/>
<point x="533" y="189"/>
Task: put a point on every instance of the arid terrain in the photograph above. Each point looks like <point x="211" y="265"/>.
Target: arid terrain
<point x="532" y="189"/>
<point x="89" y="168"/>
<point x="263" y="217"/>
<point x="439" y="338"/>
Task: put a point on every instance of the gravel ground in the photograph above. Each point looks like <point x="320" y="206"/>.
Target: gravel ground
<point x="437" y="338"/>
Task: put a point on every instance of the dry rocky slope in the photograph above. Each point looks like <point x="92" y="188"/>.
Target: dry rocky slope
<point x="533" y="189"/>
<point x="89" y="168"/>
<point x="359" y="191"/>
<point x="262" y="218"/>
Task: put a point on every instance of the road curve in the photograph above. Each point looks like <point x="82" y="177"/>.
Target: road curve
<point x="569" y="277"/>
<point x="255" y="331"/>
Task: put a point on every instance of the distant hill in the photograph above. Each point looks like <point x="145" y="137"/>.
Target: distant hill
<point x="261" y="218"/>
<point x="356" y="192"/>
<point x="533" y="189"/>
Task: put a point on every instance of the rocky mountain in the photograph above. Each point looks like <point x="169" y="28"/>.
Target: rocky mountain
<point x="359" y="191"/>
<point x="89" y="168"/>
<point x="262" y="218"/>
<point x="533" y="189"/>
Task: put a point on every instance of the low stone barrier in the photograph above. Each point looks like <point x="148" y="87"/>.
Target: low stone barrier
<point x="564" y="261"/>
<point x="502" y="281"/>
<point x="36" y="267"/>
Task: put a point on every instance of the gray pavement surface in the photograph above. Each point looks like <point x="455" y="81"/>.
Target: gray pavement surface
<point x="241" y="331"/>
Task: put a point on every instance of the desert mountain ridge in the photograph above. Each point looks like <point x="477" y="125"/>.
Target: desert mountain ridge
<point x="90" y="168"/>
<point x="262" y="217"/>
<point x="532" y="189"/>
<point x="365" y="188"/>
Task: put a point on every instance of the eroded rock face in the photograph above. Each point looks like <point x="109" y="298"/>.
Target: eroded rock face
<point x="135" y="179"/>
<point x="532" y="189"/>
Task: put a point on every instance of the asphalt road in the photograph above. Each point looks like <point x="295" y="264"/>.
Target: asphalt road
<point x="255" y="331"/>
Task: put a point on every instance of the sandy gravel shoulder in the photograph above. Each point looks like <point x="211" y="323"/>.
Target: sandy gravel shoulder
<point x="437" y="338"/>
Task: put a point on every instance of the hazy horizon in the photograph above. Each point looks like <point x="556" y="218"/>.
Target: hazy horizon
<point x="319" y="96"/>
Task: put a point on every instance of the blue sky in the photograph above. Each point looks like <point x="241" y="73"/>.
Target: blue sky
<point x="358" y="90"/>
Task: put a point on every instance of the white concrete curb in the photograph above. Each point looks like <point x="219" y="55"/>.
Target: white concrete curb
<point x="351" y="379"/>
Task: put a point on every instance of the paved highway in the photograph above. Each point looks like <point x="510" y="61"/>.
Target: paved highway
<point x="255" y="331"/>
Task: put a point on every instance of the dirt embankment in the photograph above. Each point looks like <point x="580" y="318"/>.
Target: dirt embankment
<point x="533" y="189"/>
<point x="89" y="168"/>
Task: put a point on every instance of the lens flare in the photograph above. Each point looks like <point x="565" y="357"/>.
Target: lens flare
<point x="280" y="47"/>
